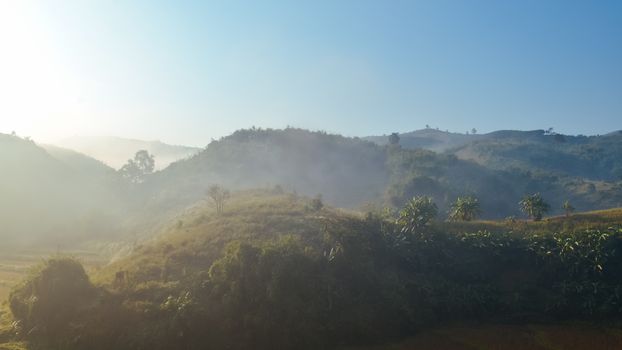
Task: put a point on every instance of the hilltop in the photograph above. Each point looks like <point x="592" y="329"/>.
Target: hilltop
<point x="589" y="157"/>
<point x="352" y="172"/>
<point x="52" y="195"/>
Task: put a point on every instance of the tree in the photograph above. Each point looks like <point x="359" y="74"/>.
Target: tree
<point x="417" y="213"/>
<point x="534" y="206"/>
<point x="219" y="195"/>
<point x="473" y="131"/>
<point x="317" y="203"/>
<point x="135" y="170"/>
<point x="394" y="139"/>
<point x="465" y="209"/>
<point x="568" y="208"/>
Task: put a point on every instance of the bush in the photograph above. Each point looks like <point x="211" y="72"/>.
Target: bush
<point x="48" y="301"/>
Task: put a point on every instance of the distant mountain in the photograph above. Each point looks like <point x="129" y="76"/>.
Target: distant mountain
<point x="346" y="171"/>
<point x="79" y="162"/>
<point x="431" y="139"/>
<point x="589" y="157"/>
<point x="73" y="195"/>
<point x="52" y="194"/>
<point x="351" y="172"/>
<point x="115" y="151"/>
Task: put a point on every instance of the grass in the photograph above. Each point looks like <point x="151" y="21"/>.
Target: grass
<point x="15" y="265"/>
<point x="599" y="219"/>
<point x="194" y="239"/>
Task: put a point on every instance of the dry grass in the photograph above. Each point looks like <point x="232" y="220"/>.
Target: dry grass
<point x="15" y="265"/>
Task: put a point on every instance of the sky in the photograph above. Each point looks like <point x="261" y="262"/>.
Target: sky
<point x="185" y="72"/>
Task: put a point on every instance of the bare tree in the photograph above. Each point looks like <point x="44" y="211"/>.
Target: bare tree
<point x="219" y="195"/>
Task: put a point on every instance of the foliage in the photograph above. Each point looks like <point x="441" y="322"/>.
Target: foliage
<point x="394" y="139"/>
<point x="568" y="208"/>
<point x="317" y="203"/>
<point x="45" y="303"/>
<point x="534" y="206"/>
<point x="219" y="195"/>
<point x="135" y="170"/>
<point x="465" y="209"/>
<point x="273" y="274"/>
<point x="417" y="213"/>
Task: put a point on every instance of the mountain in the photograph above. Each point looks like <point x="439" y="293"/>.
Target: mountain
<point x="589" y="157"/>
<point x="352" y="172"/>
<point x="51" y="195"/>
<point x="431" y="139"/>
<point x="115" y="151"/>
<point x="595" y="158"/>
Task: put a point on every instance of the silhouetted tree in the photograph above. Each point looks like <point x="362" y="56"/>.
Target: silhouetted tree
<point x="394" y="139"/>
<point x="136" y="169"/>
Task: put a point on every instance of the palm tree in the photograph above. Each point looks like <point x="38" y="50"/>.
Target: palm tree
<point x="534" y="206"/>
<point x="465" y="209"/>
<point x="416" y="214"/>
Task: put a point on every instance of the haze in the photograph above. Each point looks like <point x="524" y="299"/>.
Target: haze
<point x="188" y="72"/>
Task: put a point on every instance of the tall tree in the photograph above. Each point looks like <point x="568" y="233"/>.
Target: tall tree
<point x="135" y="170"/>
<point x="568" y="208"/>
<point x="534" y="206"/>
<point x="394" y="139"/>
<point x="219" y="196"/>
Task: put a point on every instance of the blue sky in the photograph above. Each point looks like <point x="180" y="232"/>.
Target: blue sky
<point x="186" y="72"/>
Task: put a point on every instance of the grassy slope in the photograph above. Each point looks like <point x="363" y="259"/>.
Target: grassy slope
<point x="195" y="239"/>
<point x="200" y="232"/>
<point x="253" y="215"/>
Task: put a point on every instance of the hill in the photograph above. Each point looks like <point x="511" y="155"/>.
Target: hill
<point x="351" y="172"/>
<point x="594" y="158"/>
<point x="115" y="151"/>
<point x="51" y="196"/>
<point x="345" y="171"/>
<point x="588" y="157"/>
<point x="430" y="139"/>
<point x="278" y="271"/>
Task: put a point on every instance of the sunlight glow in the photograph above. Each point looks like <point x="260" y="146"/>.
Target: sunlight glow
<point x="37" y="93"/>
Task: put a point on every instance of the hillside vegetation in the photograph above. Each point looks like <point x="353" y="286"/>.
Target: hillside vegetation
<point x="350" y="172"/>
<point x="53" y="196"/>
<point x="277" y="270"/>
<point x="78" y="199"/>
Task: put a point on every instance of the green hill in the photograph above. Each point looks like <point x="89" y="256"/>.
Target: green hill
<point x="278" y="270"/>
<point x="350" y="172"/>
<point x="52" y="196"/>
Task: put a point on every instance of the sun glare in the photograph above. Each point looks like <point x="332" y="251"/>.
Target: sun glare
<point x="37" y="95"/>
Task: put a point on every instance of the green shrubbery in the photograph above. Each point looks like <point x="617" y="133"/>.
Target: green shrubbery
<point x="352" y="280"/>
